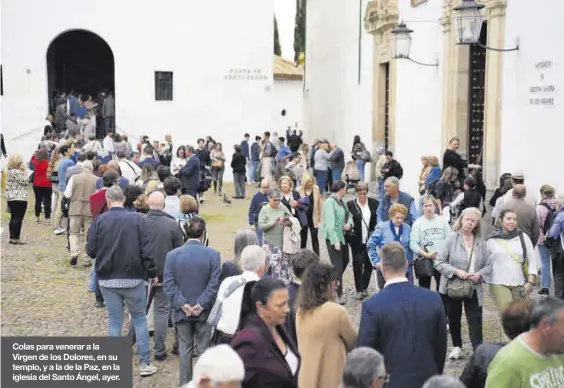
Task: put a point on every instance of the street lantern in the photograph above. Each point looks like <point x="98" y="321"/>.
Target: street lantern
<point x="467" y="21"/>
<point x="401" y="41"/>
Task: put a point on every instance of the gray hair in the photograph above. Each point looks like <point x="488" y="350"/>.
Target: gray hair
<point x="470" y="211"/>
<point x="253" y="257"/>
<point x="443" y="381"/>
<point x="87" y="164"/>
<point x="243" y="239"/>
<point x="546" y="309"/>
<point x="393" y="180"/>
<point x="115" y="194"/>
<point x="232" y="368"/>
<point x="274" y="193"/>
<point x="363" y="366"/>
<point x="361" y="186"/>
<point x="393" y="257"/>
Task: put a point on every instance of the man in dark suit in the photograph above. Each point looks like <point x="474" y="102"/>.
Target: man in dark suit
<point x="148" y="154"/>
<point x="363" y="210"/>
<point x="190" y="173"/>
<point x="191" y="280"/>
<point x="405" y="323"/>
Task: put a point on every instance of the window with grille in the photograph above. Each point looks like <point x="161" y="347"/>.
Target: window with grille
<point x="163" y="85"/>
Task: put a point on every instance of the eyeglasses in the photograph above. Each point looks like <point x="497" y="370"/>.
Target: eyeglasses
<point x="385" y="378"/>
<point x="276" y="200"/>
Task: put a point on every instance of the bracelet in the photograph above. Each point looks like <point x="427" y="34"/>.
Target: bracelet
<point x="531" y="283"/>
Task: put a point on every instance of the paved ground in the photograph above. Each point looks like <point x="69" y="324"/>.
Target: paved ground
<point x="43" y="296"/>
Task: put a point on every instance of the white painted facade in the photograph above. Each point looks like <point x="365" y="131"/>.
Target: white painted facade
<point x="200" y="41"/>
<point x="287" y="95"/>
<point x="532" y="133"/>
<point x="419" y="92"/>
<point x="336" y="105"/>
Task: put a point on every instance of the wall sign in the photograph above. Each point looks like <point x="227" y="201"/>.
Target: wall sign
<point x="542" y="92"/>
<point x="415" y="3"/>
<point x="245" y="75"/>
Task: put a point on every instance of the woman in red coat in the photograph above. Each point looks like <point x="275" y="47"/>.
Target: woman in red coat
<point x="41" y="183"/>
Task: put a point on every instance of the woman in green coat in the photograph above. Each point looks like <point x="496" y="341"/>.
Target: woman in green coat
<point x="337" y="221"/>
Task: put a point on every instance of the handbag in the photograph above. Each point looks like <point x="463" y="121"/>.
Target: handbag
<point x="365" y="156"/>
<point x="348" y="234"/>
<point x="458" y="288"/>
<point x="422" y="266"/>
<point x="525" y="264"/>
<point x="217" y="164"/>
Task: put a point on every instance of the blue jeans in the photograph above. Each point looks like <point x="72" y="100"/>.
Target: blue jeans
<point x="92" y="281"/>
<point x="135" y="299"/>
<point x="321" y="179"/>
<point x="253" y="170"/>
<point x="336" y="172"/>
<point x="360" y="167"/>
<point x="110" y="123"/>
<point x="259" y="234"/>
<point x="545" y="266"/>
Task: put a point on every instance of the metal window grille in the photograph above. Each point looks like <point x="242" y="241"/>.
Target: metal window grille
<point x="163" y="85"/>
<point x="476" y="100"/>
<point x="387" y="107"/>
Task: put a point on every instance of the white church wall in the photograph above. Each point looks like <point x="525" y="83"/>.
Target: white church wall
<point x="200" y="41"/>
<point x="532" y="138"/>
<point x="336" y="106"/>
<point x="418" y="88"/>
<point x="288" y="96"/>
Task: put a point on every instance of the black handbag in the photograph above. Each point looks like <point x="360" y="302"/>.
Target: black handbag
<point x="422" y="266"/>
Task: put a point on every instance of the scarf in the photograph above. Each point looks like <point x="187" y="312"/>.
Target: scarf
<point x="504" y="235"/>
<point x="397" y="236"/>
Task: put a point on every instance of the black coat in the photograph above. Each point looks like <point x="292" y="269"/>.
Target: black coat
<point x="356" y="240"/>
<point x="395" y="169"/>
<point x="476" y="370"/>
<point x="239" y="162"/>
<point x="165" y="235"/>
<point x="204" y="156"/>
<point x="290" y="325"/>
<point x="453" y="159"/>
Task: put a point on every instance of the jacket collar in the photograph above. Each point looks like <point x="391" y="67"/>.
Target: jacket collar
<point x="116" y="209"/>
<point x="159" y="213"/>
<point x="193" y="241"/>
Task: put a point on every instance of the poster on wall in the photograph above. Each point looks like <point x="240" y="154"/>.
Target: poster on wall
<point x="541" y="87"/>
<point x="415" y="3"/>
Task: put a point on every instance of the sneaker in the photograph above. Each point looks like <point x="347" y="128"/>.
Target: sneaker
<point x="448" y="328"/>
<point x="99" y="303"/>
<point x="161" y="357"/>
<point x="359" y="296"/>
<point x="147" y="370"/>
<point x="59" y="231"/>
<point x="543" y="291"/>
<point x="13" y="241"/>
<point x="74" y="260"/>
<point x="365" y="293"/>
<point x="455" y="353"/>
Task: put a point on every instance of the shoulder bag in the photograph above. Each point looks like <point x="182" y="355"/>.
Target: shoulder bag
<point x="458" y="288"/>
<point x="422" y="266"/>
<point x="362" y="218"/>
<point x="217" y="309"/>
<point x="525" y="263"/>
<point x="348" y="234"/>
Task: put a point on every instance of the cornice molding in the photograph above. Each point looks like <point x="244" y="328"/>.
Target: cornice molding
<point x="381" y="15"/>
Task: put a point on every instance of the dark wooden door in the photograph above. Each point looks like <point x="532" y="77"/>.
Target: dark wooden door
<point x="476" y="100"/>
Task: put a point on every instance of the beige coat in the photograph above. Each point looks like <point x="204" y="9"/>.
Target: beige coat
<point x="316" y="205"/>
<point x="325" y="336"/>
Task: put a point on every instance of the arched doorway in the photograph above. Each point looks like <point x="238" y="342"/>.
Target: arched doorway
<point x="79" y="61"/>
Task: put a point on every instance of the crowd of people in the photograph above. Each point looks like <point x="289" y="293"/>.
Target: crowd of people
<point x="274" y="314"/>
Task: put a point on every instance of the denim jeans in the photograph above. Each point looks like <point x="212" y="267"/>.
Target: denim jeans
<point x="544" y="254"/>
<point x="190" y="334"/>
<point x="110" y="123"/>
<point x="360" y="167"/>
<point x="92" y="281"/>
<point x="239" y="180"/>
<point x="253" y="170"/>
<point x="259" y="234"/>
<point x="321" y="179"/>
<point x="135" y="299"/>
<point x="336" y="172"/>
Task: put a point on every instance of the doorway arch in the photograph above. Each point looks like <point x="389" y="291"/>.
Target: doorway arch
<point x="81" y="61"/>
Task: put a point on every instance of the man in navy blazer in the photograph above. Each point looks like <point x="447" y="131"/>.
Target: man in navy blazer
<point x="190" y="174"/>
<point x="191" y="281"/>
<point x="405" y="323"/>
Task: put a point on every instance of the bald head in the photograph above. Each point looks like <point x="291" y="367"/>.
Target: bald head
<point x="519" y="192"/>
<point x="264" y="185"/>
<point x="156" y="200"/>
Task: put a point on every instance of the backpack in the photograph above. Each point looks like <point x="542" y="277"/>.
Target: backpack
<point x="549" y="220"/>
<point x="217" y="309"/>
<point x="431" y="188"/>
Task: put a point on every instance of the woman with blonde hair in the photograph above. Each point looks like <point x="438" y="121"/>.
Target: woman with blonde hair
<point x="444" y="189"/>
<point x="152" y="185"/>
<point x="464" y="259"/>
<point x="16" y="195"/>
<point x="423" y="174"/>
<point x="434" y="173"/>
<point x="53" y="175"/>
<point x="309" y="189"/>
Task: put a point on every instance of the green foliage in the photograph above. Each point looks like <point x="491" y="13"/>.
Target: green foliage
<point x="300" y="29"/>
<point x="277" y="48"/>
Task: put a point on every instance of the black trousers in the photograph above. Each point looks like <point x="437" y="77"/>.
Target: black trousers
<point x="425" y="281"/>
<point x="17" y="213"/>
<point x="473" y="316"/>
<point x="340" y="260"/>
<point x="43" y="195"/>
<point x="314" y="237"/>
<point x="362" y="268"/>
<point x="558" y="271"/>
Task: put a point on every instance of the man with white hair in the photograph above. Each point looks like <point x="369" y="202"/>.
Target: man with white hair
<point x="79" y="189"/>
<point x="443" y="381"/>
<point x="393" y="195"/>
<point x="218" y="367"/>
<point x="364" y="369"/>
<point x="230" y="294"/>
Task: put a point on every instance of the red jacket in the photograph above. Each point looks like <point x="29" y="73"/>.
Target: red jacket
<point x="40" y="177"/>
<point x="98" y="203"/>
